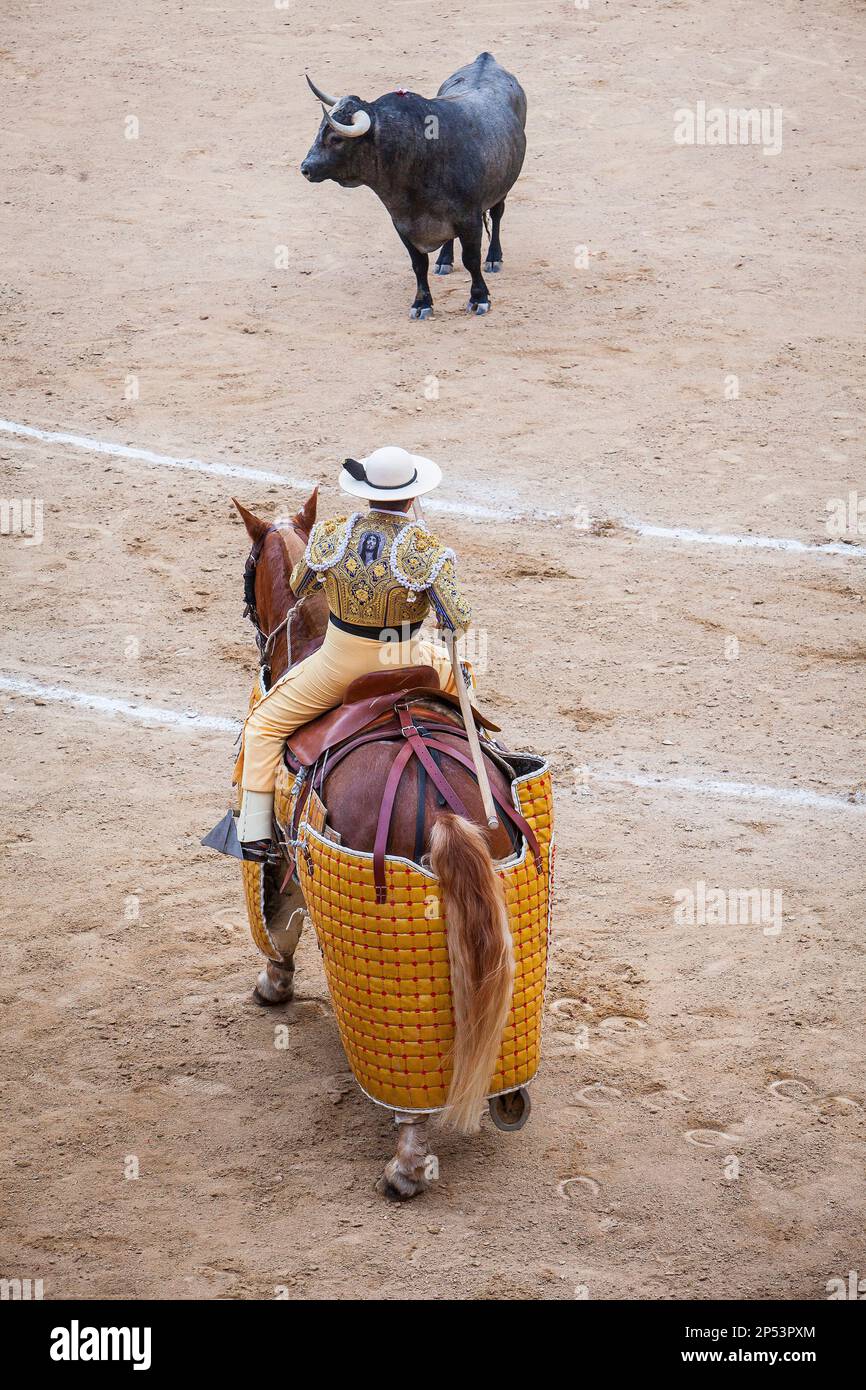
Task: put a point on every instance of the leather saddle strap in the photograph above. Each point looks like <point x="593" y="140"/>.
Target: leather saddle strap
<point x="383" y="826"/>
<point x="414" y="745"/>
<point x="380" y="734"/>
<point x="388" y="729"/>
<point x="514" y="816"/>
<point x="421" y="794"/>
<point x="419" y="747"/>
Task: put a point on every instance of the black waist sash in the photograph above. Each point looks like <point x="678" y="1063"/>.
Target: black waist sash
<point x="401" y="633"/>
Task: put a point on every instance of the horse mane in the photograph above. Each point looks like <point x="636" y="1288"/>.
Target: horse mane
<point x="268" y="597"/>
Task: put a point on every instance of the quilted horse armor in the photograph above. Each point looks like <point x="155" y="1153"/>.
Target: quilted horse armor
<point x="382" y="934"/>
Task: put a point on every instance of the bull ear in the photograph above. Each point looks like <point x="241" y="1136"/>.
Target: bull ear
<point x="256" y="528"/>
<point x="305" y="519"/>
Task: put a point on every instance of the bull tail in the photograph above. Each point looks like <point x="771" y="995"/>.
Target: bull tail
<point x="481" y="956"/>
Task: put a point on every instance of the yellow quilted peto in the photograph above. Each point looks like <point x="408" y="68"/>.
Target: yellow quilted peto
<point x="387" y="965"/>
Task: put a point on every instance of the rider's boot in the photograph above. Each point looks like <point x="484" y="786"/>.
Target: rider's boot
<point x="256" y="827"/>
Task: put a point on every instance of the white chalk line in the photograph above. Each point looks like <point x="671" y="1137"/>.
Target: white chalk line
<point x="738" y="791"/>
<point x="684" y="534"/>
<point x="107" y="705"/>
<point x="128" y="451"/>
<point x="692" y="537"/>
<point x="222" y="470"/>
<point x="191" y="720"/>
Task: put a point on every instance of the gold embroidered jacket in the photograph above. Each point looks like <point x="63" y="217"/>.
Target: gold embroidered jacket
<point x="380" y="570"/>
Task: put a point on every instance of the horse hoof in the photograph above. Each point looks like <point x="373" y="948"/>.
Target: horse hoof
<point x="510" y="1112"/>
<point x="483" y="307"/>
<point x="493" y="266"/>
<point x="424" y="313"/>
<point x="444" y="268"/>
<point x="396" y="1186"/>
<point x="274" y="986"/>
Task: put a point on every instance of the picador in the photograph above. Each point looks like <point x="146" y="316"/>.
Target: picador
<point x="381" y="571"/>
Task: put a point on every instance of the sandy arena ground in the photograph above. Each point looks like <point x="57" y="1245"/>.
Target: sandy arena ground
<point x="670" y="1050"/>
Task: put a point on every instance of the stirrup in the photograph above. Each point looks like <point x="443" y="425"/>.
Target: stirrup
<point x="224" y="839"/>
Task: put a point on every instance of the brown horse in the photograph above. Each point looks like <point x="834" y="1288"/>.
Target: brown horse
<point x="461" y="854"/>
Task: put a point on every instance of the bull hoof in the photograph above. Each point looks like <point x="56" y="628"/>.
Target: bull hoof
<point x="493" y="266"/>
<point x="483" y="307"/>
<point x="444" y="269"/>
<point x="425" y="312"/>
<point x="274" y="986"/>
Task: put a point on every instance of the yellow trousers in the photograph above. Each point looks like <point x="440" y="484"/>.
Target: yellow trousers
<point x="316" y="685"/>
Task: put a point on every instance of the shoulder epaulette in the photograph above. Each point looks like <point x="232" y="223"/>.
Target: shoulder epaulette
<point x="417" y="557"/>
<point x="328" y="541"/>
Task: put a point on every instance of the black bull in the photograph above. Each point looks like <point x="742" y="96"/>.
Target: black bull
<point x="438" y="165"/>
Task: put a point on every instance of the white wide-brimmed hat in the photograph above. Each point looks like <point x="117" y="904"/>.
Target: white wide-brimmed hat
<point x="390" y="473"/>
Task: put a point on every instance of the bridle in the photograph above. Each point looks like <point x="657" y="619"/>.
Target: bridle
<point x="264" y="640"/>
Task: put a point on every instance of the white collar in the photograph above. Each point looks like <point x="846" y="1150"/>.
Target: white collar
<point x="407" y="518"/>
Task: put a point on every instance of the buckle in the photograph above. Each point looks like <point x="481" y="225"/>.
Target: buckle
<point x="407" y="727"/>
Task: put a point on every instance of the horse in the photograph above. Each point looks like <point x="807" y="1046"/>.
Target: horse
<point x="461" y="855"/>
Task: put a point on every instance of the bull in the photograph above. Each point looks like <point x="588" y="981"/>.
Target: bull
<point x="438" y="166"/>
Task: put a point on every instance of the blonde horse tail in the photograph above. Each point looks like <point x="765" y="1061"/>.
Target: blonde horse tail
<point x="481" y="955"/>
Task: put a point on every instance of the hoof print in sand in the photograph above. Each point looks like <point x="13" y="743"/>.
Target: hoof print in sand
<point x="598" y="1094"/>
<point x="711" y="1138"/>
<point x="578" y="1186"/>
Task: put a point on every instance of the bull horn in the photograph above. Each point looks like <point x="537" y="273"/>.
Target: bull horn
<point x="359" y="125"/>
<point x="317" y="92"/>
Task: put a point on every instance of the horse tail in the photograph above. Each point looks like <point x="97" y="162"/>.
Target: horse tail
<point x="481" y="955"/>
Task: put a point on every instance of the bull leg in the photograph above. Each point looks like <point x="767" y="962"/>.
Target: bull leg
<point x="422" y="306"/>
<point x="494" y="252"/>
<point x="470" y="241"/>
<point x="445" y="263"/>
<point x="413" y="1167"/>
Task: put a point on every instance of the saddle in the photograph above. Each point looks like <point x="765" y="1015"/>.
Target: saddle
<point x="366" y="701"/>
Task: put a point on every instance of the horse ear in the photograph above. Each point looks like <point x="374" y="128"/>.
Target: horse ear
<point x="255" y="527"/>
<point x="305" y="519"/>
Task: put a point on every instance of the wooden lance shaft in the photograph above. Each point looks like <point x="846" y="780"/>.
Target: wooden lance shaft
<point x="468" y="716"/>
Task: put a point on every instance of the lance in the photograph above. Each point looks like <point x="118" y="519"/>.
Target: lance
<point x="460" y="681"/>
